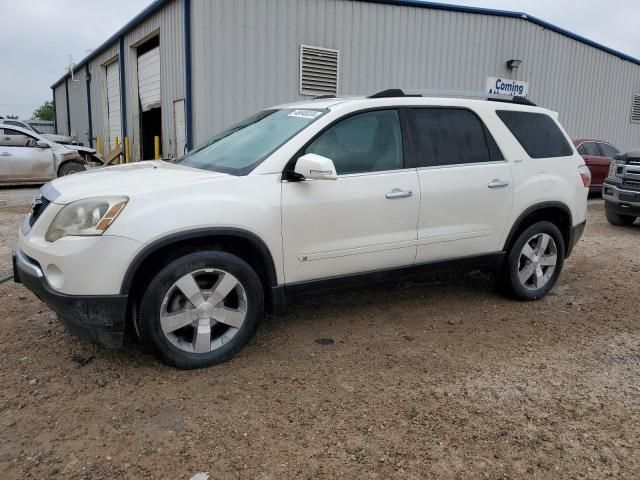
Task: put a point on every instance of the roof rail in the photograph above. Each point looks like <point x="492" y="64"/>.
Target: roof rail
<point x="397" y="92"/>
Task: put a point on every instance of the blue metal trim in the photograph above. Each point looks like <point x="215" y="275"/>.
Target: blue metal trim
<point x="123" y="92"/>
<point x="187" y="71"/>
<point x="66" y="95"/>
<point x="55" y="115"/>
<point x="155" y="6"/>
<point x="87" y="77"/>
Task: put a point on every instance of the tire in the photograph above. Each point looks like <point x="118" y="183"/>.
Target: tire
<point x="520" y="263"/>
<point x="68" y="168"/>
<point x="619" y="220"/>
<point x="196" y="333"/>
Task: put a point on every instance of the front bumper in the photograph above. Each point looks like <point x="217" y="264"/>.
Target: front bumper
<point x="621" y="200"/>
<point x="99" y="319"/>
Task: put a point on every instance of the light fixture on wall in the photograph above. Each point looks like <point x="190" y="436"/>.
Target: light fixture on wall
<point x="513" y="64"/>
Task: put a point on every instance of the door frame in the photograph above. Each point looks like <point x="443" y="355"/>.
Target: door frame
<point x="288" y="174"/>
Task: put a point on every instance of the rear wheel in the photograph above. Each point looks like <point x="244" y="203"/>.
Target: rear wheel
<point x="70" y="167"/>
<point x="201" y="309"/>
<point x="534" y="262"/>
<point x="619" y="220"/>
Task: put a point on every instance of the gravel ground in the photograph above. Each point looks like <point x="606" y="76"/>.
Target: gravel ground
<point x="440" y="379"/>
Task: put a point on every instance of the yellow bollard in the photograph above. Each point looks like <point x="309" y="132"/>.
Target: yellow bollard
<point x="156" y="146"/>
<point x="99" y="146"/>
<point x="126" y="150"/>
<point x="117" y="141"/>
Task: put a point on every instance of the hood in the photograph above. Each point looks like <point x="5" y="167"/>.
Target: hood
<point x="58" y="138"/>
<point x="80" y="148"/>
<point x="130" y="180"/>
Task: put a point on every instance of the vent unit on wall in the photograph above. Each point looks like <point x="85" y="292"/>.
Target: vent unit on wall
<point x="319" y="70"/>
<point x="635" y="109"/>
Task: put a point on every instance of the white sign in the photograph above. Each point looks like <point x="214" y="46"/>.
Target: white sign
<point x="505" y="86"/>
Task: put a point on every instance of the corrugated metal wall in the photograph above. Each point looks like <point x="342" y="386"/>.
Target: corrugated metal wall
<point x="78" y="107"/>
<point x="246" y="57"/>
<point x="169" y="23"/>
<point x="60" y="97"/>
<point x="98" y="72"/>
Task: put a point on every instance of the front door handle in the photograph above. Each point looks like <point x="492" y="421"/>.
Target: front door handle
<point x="496" y="183"/>
<point x="5" y="154"/>
<point x="397" y="193"/>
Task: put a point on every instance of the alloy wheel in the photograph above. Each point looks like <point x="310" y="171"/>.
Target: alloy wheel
<point x="203" y="310"/>
<point x="538" y="261"/>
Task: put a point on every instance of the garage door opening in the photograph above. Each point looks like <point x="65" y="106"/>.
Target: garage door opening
<point x="149" y="92"/>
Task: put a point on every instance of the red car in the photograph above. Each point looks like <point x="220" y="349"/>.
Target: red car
<point x="597" y="155"/>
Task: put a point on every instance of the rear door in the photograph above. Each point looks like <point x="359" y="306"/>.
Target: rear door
<point x="366" y="219"/>
<point x="465" y="183"/>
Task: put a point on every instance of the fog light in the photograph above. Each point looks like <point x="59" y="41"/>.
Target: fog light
<point x="55" y="276"/>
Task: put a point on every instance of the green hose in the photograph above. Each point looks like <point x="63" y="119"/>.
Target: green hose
<point x="6" y="278"/>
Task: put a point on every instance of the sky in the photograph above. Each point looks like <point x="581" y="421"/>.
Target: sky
<point x="38" y="36"/>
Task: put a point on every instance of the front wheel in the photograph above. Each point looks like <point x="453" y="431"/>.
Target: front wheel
<point x="534" y="262"/>
<point x="201" y="309"/>
<point x="68" y="168"/>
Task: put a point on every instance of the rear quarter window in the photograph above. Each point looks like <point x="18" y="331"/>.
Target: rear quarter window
<point x="537" y="133"/>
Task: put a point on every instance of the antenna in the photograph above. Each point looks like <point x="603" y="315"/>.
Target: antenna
<point x="71" y="67"/>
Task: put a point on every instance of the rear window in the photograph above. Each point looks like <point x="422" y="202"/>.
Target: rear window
<point x="537" y="133"/>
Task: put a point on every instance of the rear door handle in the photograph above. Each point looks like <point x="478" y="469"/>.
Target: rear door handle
<point x="5" y="154"/>
<point x="397" y="193"/>
<point x="496" y="183"/>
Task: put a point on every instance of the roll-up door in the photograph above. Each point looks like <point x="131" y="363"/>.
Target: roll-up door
<point x="149" y="79"/>
<point x="113" y="103"/>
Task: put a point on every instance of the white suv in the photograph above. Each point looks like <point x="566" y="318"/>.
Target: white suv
<point x="300" y="199"/>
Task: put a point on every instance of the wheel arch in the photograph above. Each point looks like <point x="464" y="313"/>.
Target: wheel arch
<point x="557" y="213"/>
<point x="246" y="245"/>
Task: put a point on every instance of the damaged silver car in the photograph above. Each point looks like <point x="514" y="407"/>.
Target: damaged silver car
<point x="28" y="157"/>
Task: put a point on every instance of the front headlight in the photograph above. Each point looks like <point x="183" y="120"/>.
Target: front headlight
<point x="87" y="217"/>
<point x="613" y="176"/>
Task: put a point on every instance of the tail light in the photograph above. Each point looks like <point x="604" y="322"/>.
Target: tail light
<point x="585" y="174"/>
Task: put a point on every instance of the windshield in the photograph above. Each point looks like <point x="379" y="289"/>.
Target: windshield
<point x="240" y="148"/>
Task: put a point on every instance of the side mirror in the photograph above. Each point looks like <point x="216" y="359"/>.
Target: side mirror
<point x="315" y="167"/>
<point x="42" y="144"/>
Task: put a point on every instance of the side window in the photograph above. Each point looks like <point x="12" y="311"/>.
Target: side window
<point x="13" y="138"/>
<point x="367" y="142"/>
<point x="608" y="150"/>
<point x="447" y="136"/>
<point x="537" y="133"/>
<point x="589" y="148"/>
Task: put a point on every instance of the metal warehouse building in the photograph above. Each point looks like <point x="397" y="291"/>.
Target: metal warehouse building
<point x="184" y="69"/>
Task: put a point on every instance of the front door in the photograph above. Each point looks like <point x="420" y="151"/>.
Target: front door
<point x="465" y="182"/>
<point x="365" y="220"/>
<point x="22" y="160"/>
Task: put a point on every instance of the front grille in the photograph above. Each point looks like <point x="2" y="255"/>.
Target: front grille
<point x="38" y="206"/>
<point x="634" y="162"/>
<point x="627" y="182"/>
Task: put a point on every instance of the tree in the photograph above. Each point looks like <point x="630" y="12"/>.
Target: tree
<point x="44" y="112"/>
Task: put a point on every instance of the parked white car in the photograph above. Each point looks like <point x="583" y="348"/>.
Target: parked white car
<point x="89" y="154"/>
<point x="301" y="199"/>
<point x="27" y="157"/>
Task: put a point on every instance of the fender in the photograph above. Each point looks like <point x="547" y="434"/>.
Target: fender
<point x="532" y="209"/>
<point x="195" y="234"/>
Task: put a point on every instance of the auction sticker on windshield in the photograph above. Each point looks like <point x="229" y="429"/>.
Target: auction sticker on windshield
<point x="305" y="113"/>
